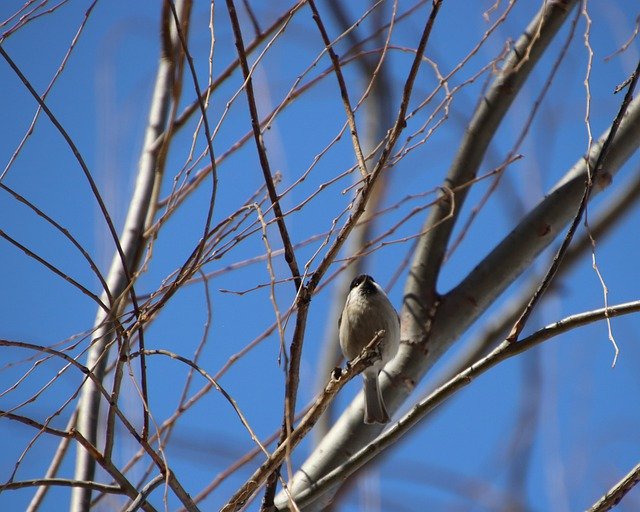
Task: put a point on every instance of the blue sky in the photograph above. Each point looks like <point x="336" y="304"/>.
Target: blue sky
<point x="586" y="431"/>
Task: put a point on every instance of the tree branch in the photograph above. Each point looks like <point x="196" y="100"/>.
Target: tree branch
<point x="617" y="492"/>
<point x="504" y="351"/>
<point x="593" y="176"/>
<point x="411" y="363"/>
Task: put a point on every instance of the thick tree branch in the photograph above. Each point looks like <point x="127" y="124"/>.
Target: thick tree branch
<point x="504" y="351"/>
<point x="420" y="296"/>
<point x="420" y="290"/>
<point x="461" y="306"/>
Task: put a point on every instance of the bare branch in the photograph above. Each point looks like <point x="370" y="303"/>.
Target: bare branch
<point x="140" y="212"/>
<point x="617" y="492"/>
<point x="336" y="383"/>
<point x="344" y="93"/>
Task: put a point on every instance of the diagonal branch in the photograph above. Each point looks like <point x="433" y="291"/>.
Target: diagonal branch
<point x="593" y="175"/>
<point x="337" y="381"/>
<point x="617" y="492"/>
<point x="604" y="224"/>
<point x="420" y="289"/>
<point x="292" y="369"/>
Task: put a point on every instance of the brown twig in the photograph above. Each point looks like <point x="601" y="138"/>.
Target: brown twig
<point x="92" y="450"/>
<point x="83" y="166"/>
<point x="55" y="270"/>
<point x="289" y="255"/>
<point x="65" y="232"/>
<point x="344" y="93"/>
<point x="337" y="381"/>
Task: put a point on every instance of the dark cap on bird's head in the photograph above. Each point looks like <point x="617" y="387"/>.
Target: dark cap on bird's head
<point x="367" y="283"/>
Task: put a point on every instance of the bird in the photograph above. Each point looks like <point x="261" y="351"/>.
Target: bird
<point x="368" y="310"/>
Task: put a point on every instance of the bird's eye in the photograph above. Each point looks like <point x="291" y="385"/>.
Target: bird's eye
<point x="356" y="282"/>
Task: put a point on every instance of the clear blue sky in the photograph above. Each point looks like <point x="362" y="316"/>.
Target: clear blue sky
<point x="586" y="435"/>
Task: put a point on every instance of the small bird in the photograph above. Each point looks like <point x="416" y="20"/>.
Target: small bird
<point x="367" y="311"/>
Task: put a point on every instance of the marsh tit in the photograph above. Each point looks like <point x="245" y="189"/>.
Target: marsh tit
<point x="367" y="311"/>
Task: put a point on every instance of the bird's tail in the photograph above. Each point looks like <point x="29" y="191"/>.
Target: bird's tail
<point x="374" y="409"/>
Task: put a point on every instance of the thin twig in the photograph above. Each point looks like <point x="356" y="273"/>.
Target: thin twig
<point x="90" y="447"/>
<point x="593" y="177"/>
<point x="289" y="255"/>
<point x="54" y="466"/>
<point x="83" y="166"/>
<point x="65" y="482"/>
<point x="55" y="270"/>
<point x="344" y="93"/>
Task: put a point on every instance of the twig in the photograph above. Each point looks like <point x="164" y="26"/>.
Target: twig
<point x="65" y="482"/>
<point x="54" y="465"/>
<point x="289" y="255"/>
<point x="627" y="43"/>
<point x="44" y="95"/>
<point x="617" y="492"/>
<point x="344" y="93"/>
<point x="592" y="178"/>
<point x="66" y="234"/>
<point x="83" y="166"/>
<point x="144" y="493"/>
<point x="211" y="380"/>
<point x="55" y="270"/>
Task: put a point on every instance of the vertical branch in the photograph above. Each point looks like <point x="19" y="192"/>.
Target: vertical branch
<point x="292" y="377"/>
<point x="140" y="210"/>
